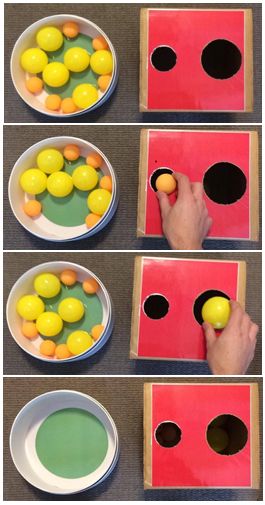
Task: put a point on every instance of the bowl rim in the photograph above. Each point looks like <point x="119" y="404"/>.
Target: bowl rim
<point x="74" y="266"/>
<point x="86" y="234"/>
<point x="68" y="17"/>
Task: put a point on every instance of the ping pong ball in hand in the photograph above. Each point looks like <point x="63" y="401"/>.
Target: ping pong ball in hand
<point x="49" y="324"/>
<point x="47" y="285"/>
<point x="30" y="307"/>
<point x="68" y="277"/>
<point x="71" y="310"/>
<point x="85" y="177"/>
<point x="49" y="38"/>
<point x="59" y="184"/>
<point x="166" y="183"/>
<point x="79" y="341"/>
<point x="33" y="181"/>
<point x="50" y="160"/>
<point x="216" y="311"/>
<point x="34" y="60"/>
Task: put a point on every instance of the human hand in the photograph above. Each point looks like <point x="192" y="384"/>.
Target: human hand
<point x="186" y="223"/>
<point x="231" y="352"/>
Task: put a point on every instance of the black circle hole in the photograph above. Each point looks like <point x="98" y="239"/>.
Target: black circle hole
<point x="221" y="59"/>
<point x="156" y="306"/>
<point x="156" y="174"/>
<point x="163" y="58"/>
<point x="227" y="434"/>
<point x="202" y="298"/>
<point x="168" y="434"/>
<point x="224" y="183"/>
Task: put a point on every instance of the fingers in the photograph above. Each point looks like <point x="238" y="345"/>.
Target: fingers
<point x="209" y="333"/>
<point x="163" y="203"/>
<point x="241" y="320"/>
<point x="184" y="185"/>
<point x="197" y="190"/>
<point x="236" y="314"/>
<point x="253" y="332"/>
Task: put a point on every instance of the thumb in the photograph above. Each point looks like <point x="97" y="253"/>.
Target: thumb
<point x="163" y="203"/>
<point x="209" y="333"/>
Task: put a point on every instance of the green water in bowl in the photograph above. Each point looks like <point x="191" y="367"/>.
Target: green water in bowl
<point x="72" y="209"/>
<point x="87" y="76"/>
<point x="93" y="311"/>
<point x="71" y="443"/>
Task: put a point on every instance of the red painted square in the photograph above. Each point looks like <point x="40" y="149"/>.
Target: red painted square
<point x="187" y="86"/>
<point x="193" y="153"/>
<point x="192" y="463"/>
<point x="178" y="335"/>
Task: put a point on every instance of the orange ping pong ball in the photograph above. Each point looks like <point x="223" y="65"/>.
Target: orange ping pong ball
<point x="47" y="348"/>
<point x="29" y="329"/>
<point x="70" y="29"/>
<point x="166" y="183"/>
<point x="34" y="84"/>
<point x="92" y="219"/>
<point x="71" y="152"/>
<point x="68" y="277"/>
<point x="90" y="286"/>
<point x="32" y="208"/>
<point x="94" y="160"/>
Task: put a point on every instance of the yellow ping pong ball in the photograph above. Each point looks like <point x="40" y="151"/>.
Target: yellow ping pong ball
<point x="98" y="201"/>
<point x="84" y="95"/>
<point x="34" y="60"/>
<point x="49" y="324"/>
<point x="49" y="38"/>
<point x="47" y="285"/>
<point x="85" y="177"/>
<point x="79" y="341"/>
<point x="76" y="59"/>
<point x="101" y="62"/>
<point x="33" y="181"/>
<point x="166" y="183"/>
<point x="50" y="160"/>
<point x="30" y="307"/>
<point x="71" y="309"/>
<point x="60" y="184"/>
<point x="55" y="74"/>
<point x="216" y="311"/>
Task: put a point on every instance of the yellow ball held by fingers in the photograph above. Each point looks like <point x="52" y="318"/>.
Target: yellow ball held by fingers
<point x="98" y="201"/>
<point x="55" y="74"/>
<point x="71" y="310"/>
<point x="216" y="311"/>
<point x="60" y="184"/>
<point x="97" y="331"/>
<point x="32" y="208"/>
<point x="71" y="152"/>
<point x="104" y="82"/>
<point x="29" y="330"/>
<point x="90" y="286"/>
<point x="49" y="38"/>
<point x="53" y="102"/>
<point x="47" y="285"/>
<point x="106" y="183"/>
<point x="76" y="59"/>
<point x="34" y="60"/>
<point x="49" y="324"/>
<point x="47" y="348"/>
<point x="68" y="277"/>
<point x="70" y="29"/>
<point x="68" y="106"/>
<point x="166" y="183"/>
<point x="92" y="219"/>
<point x="94" y="160"/>
<point x="62" y="352"/>
<point x="33" y="181"/>
<point x="30" y="307"/>
<point x="85" y="95"/>
<point x="50" y="160"/>
<point x="85" y="177"/>
<point x="34" y="85"/>
<point x="99" y="43"/>
<point x="79" y="341"/>
<point x="101" y="62"/>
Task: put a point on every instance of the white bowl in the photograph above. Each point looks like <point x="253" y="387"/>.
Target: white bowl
<point x="25" y="285"/>
<point x="23" y="434"/>
<point x="27" y="40"/>
<point x="41" y="227"/>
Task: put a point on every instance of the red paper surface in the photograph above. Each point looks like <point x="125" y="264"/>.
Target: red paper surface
<point x="178" y="335"/>
<point x="192" y="153"/>
<point x="192" y="463"/>
<point x="187" y="86"/>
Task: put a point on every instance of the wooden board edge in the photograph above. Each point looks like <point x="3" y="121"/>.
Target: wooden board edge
<point x="148" y="435"/>
<point x="248" y="29"/>
<point x="242" y="281"/>
<point x="137" y="284"/>
<point x="142" y="173"/>
<point x="143" y="77"/>
<point x="254" y="185"/>
<point x="255" y="437"/>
